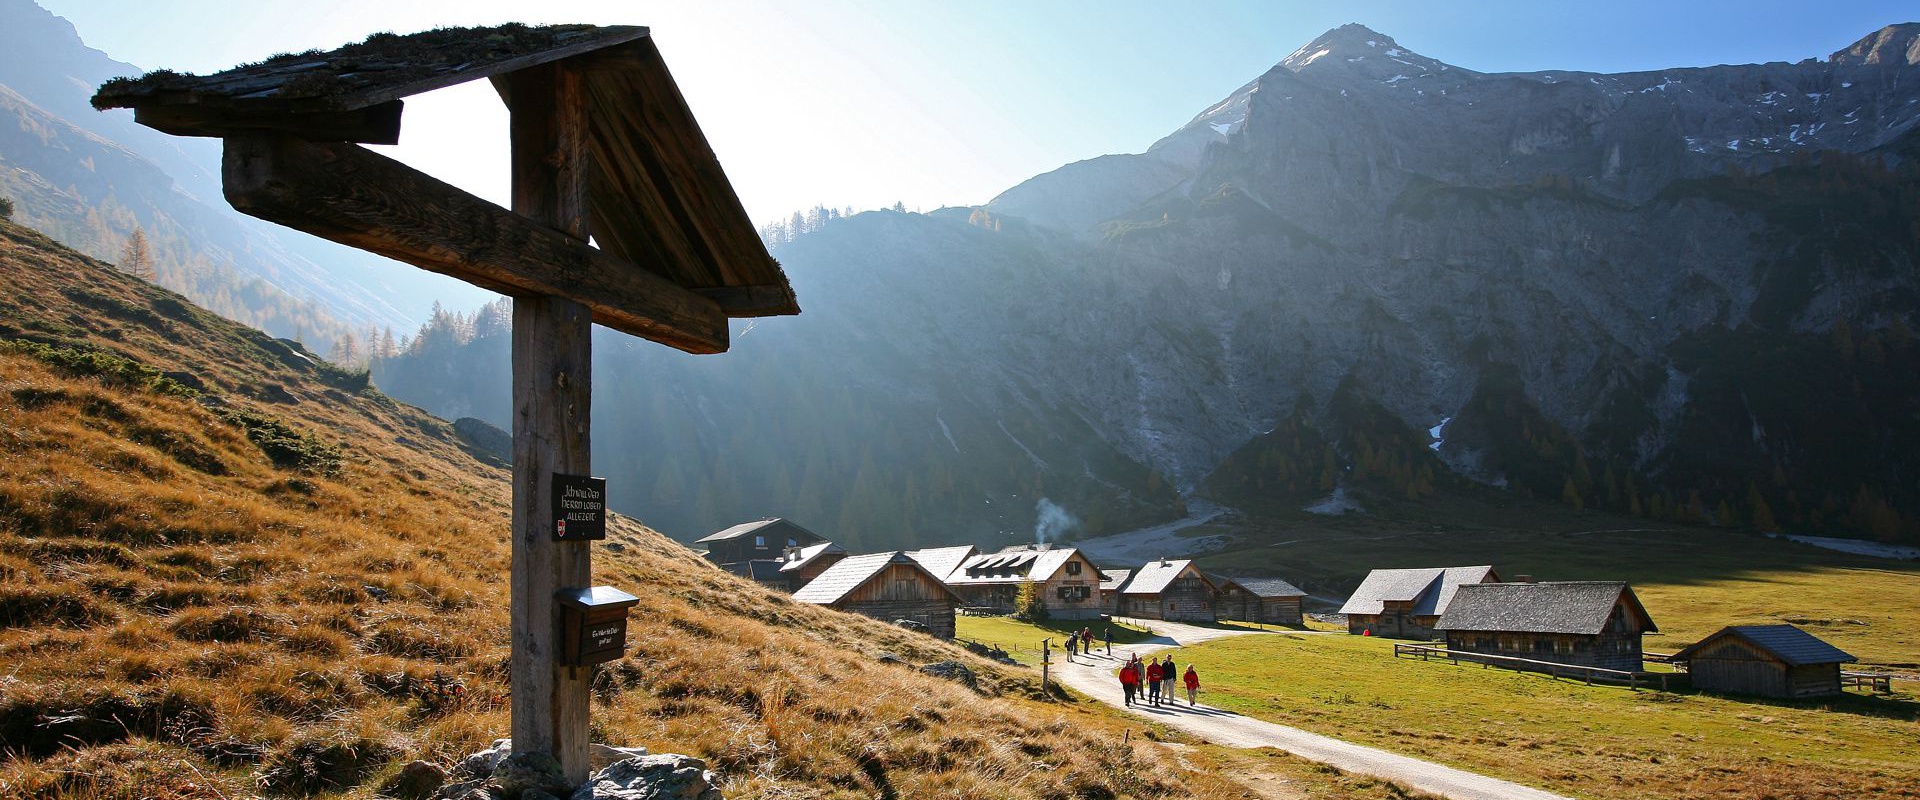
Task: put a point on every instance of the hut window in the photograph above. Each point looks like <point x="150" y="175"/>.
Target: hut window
<point x="1562" y="646"/>
<point x="1073" y="568"/>
<point x="792" y="543"/>
<point x="759" y="541"/>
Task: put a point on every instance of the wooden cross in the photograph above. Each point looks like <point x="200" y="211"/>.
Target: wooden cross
<point x="603" y="146"/>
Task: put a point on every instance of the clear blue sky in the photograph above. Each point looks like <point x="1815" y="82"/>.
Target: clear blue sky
<point x="864" y="102"/>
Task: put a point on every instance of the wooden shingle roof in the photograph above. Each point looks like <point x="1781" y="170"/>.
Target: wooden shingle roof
<point x="942" y="561"/>
<point x="1260" y="587"/>
<point x="1791" y="645"/>
<point x="1157" y="575"/>
<point x="1430" y="589"/>
<point x="1575" y="607"/>
<point x="657" y="196"/>
<point x="852" y="572"/>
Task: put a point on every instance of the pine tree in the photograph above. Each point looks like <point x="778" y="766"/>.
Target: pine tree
<point x="136" y="258"/>
<point x="346" y="350"/>
<point x="1760" y="514"/>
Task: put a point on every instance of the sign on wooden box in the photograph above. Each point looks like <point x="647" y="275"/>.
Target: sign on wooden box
<point x="593" y="624"/>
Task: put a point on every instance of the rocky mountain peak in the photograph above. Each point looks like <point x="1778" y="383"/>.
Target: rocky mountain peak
<point x="1894" y="45"/>
<point x="1359" y="51"/>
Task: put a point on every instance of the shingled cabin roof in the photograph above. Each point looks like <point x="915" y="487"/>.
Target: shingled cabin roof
<point x="852" y="572"/>
<point x="1111" y="580"/>
<point x="1575" y="607"/>
<point x="657" y="197"/>
<point x="1791" y="645"/>
<point x="1156" y="575"/>
<point x="1430" y="589"/>
<point x="1259" y="587"/>
<point x="1011" y="565"/>
<point x="942" y="561"/>
<point x="777" y="527"/>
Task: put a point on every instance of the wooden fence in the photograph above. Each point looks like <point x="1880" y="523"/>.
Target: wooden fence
<point x="1591" y="675"/>
<point x="1880" y="682"/>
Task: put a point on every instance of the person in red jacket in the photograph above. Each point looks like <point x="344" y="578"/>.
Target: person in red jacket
<point x="1153" y="683"/>
<point x="1129" y="681"/>
<point x="1193" y="685"/>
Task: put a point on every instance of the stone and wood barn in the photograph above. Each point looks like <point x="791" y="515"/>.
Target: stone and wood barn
<point x="1586" y="623"/>
<point x="1405" y="603"/>
<point x="1110" y="582"/>
<point x="1067" y="581"/>
<point x="762" y="540"/>
<point x="1269" y="601"/>
<point x="1767" y="660"/>
<point x="885" y="586"/>
<point x="1171" y="590"/>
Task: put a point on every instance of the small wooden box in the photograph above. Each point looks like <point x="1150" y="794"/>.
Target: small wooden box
<point x="593" y="624"/>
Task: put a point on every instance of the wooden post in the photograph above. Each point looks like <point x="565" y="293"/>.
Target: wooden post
<point x="552" y="392"/>
<point x="1046" y="656"/>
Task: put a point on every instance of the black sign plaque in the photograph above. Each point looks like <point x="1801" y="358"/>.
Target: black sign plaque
<point x="579" y="508"/>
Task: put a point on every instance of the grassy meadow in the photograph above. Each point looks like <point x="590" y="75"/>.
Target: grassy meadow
<point x="1587" y="741"/>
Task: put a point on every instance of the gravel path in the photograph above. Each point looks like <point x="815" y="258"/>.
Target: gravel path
<point x="1094" y="677"/>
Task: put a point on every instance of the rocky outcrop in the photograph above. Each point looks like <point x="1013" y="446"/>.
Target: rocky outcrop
<point x="622" y="773"/>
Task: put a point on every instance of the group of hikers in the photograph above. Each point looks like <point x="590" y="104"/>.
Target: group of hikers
<point x="1157" y="678"/>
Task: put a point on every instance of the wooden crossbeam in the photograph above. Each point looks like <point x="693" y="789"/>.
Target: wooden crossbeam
<point x="348" y="194"/>
<point x="378" y="124"/>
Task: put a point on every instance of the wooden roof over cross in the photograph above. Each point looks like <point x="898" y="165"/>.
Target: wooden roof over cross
<point x="657" y="197"/>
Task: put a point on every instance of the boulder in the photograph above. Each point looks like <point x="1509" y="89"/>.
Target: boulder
<point x="416" y="781"/>
<point x="953" y="671"/>
<point x="654" y="777"/>
<point x="605" y="755"/>
<point x="480" y="765"/>
<point x="521" y="773"/>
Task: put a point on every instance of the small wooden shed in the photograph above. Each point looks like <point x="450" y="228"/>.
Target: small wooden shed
<point x="1261" y="600"/>
<point x="1766" y="660"/>
<point x="886" y="586"/>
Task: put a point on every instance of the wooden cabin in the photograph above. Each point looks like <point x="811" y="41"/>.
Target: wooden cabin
<point x="1269" y="601"/>
<point x="885" y="586"/>
<point x="1171" y="590"/>
<point x="763" y="540"/>
<point x="1068" y="582"/>
<point x="1587" y="623"/>
<point x="1405" y="603"/>
<point x="1766" y="660"/>
<point x="800" y="565"/>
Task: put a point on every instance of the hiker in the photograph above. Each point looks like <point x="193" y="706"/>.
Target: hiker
<point x="1168" y="675"/>
<point x="1129" y="681"/>
<point x="1153" y="682"/>
<point x="1109" y="640"/>
<point x="1086" y="640"/>
<point x="1073" y="643"/>
<point x="1193" y="685"/>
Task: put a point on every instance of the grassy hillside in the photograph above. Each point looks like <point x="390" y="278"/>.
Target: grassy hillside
<point x="227" y="569"/>
<point x="1694" y="580"/>
<point x="1585" y="741"/>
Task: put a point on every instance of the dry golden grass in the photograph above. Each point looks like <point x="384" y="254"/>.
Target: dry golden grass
<point x="190" y="609"/>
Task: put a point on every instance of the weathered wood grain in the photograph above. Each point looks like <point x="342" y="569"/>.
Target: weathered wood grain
<point x="552" y="396"/>
<point x="347" y="194"/>
<point x="377" y="124"/>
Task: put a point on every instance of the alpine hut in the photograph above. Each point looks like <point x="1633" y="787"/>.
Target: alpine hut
<point x="1259" y="600"/>
<point x="886" y="586"/>
<point x="1405" y="603"/>
<point x="1067" y="581"/>
<point x="760" y="540"/>
<point x="1168" y="589"/>
<point x="1766" y="660"/>
<point x="800" y="565"/>
<point x="1585" y="623"/>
